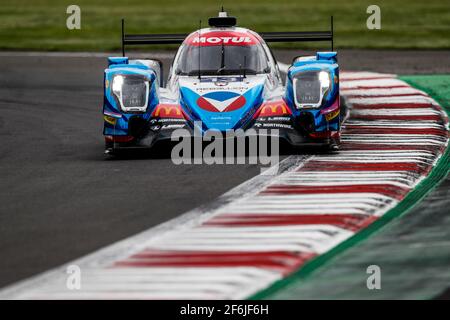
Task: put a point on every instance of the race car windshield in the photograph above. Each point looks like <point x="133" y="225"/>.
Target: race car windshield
<point x="222" y="60"/>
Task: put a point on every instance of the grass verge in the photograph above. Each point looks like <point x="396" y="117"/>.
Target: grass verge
<point x="41" y="24"/>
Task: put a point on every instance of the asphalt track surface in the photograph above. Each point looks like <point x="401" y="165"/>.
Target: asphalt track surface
<point x="60" y="199"/>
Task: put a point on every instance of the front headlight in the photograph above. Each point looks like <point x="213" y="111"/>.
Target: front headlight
<point x="310" y="87"/>
<point x="131" y="92"/>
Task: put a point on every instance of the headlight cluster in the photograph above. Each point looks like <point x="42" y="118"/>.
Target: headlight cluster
<point x="131" y="92"/>
<point x="310" y="87"/>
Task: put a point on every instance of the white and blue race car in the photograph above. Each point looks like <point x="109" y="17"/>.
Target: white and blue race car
<point x="224" y="78"/>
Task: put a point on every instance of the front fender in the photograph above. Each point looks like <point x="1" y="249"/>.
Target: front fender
<point x="326" y="116"/>
<point x="116" y="121"/>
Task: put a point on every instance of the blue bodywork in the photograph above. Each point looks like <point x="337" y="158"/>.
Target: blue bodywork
<point x="111" y="107"/>
<point x="298" y="126"/>
<point x="323" y="61"/>
<point x="233" y="120"/>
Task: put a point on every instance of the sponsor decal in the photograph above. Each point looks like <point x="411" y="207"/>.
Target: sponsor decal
<point x="168" y="111"/>
<point x="332" y="115"/>
<point x="232" y="87"/>
<point x="277" y="108"/>
<point x="222" y="101"/>
<point x="216" y="38"/>
<point x="272" y="125"/>
<point x="274" y="119"/>
<point x="168" y="120"/>
<point x="172" y="126"/>
<point x="110" y="120"/>
<point x="220" y="40"/>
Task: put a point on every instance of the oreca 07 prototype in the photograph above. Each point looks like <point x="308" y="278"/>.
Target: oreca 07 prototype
<point x="222" y="78"/>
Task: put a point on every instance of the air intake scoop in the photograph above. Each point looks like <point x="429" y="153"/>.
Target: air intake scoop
<point x="222" y="21"/>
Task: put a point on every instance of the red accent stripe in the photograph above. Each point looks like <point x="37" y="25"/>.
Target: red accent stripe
<point x="236" y="104"/>
<point x="354" y="96"/>
<point x="325" y="134"/>
<point x="379" y="130"/>
<point x="357" y="166"/>
<point x="282" y="261"/>
<point x="398" y="117"/>
<point x="374" y="87"/>
<point x="396" y="192"/>
<point x="352" y="222"/>
<point x="118" y="138"/>
<point x="169" y="110"/>
<point x="345" y="79"/>
<point x="361" y="106"/>
<point x="406" y="147"/>
<point x="206" y="105"/>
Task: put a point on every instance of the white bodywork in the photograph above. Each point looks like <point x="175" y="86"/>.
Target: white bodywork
<point x="272" y="81"/>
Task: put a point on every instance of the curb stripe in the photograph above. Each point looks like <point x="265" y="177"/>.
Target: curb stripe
<point x="350" y="222"/>
<point x="384" y="189"/>
<point x="279" y="261"/>
<point x="363" y="106"/>
<point x="434" y="118"/>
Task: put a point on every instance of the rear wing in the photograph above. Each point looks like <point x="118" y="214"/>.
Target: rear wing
<point x="178" y="38"/>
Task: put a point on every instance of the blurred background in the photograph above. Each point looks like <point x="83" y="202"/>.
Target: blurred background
<point x="41" y="24"/>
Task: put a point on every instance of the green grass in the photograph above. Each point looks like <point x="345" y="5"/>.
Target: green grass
<point x="41" y="24"/>
<point x="437" y="86"/>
